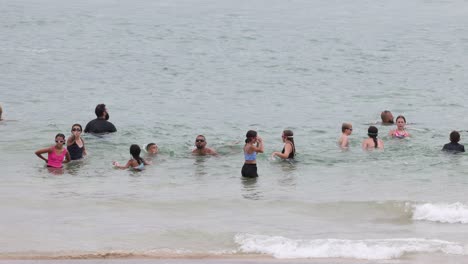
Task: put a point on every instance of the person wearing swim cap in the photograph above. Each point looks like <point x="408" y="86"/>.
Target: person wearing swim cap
<point x="253" y="145"/>
<point x="400" y="131"/>
<point x="101" y="124"/>
<point x="454" y="146"/>
<point x="372" y="142"/>
<point x="201" y="148"/>
<point x="289" y="148"/>
<point x="346" y="130"/>
<point x="387" y="117"/>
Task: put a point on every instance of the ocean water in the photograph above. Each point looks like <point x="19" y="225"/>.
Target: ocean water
<point x="170" y="70"/>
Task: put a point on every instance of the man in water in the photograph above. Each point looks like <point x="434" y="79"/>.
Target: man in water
<point x="200" y="143"/>
<point x="100" y="124"/>
<point x="387" y="117"/>
<point x="454" y="146"/>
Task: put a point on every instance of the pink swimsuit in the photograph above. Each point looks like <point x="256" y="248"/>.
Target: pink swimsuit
<point x="55" y="160"/>
<point x="399" y="134"/>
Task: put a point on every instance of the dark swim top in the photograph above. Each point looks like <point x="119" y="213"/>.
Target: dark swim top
<point x="75" y="151"/>
<point x="292" y="153"/>
<point x="99" y="126"/>
<point x="454" y="147"/>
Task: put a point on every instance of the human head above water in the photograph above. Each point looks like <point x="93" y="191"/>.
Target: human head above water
<point x="372" y="132"/>
<point x="152" y="148"/>
<point x="60" y="137"/>
<point x="101" y="110"/>
<point x="387" y="117"/>
<point x="75" y="126"/>
<point x="200" y="141"/>
<point x="250" y="136"/>
<point x="346" y="126"/>
<point x="400" y="117"/>
<point x="454" y="137"/>
<point x="135" y="151"/>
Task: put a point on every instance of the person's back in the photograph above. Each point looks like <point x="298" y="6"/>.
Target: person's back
<point x="454" y="146"/>
<point x="100" y="124"/>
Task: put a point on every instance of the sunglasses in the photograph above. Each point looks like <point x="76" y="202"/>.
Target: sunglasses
<point x="76" y="129"/>
<point x="60" y="141"/>
<point x="350" y="129"/>
<point x="200" y="140"/>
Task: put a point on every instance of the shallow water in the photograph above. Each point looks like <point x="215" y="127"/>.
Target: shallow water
<point x="170" y="70"/>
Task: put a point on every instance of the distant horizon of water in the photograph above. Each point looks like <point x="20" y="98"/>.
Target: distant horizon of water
<point x="171" y="70"/>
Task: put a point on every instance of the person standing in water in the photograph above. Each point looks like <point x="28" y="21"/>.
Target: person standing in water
<point x="253" y="145"/>
<point x="75" y="144"/>
<point x="346" y="130"/>
<point x="100" y="124"/>
<point x="400" y="132"/>
<point x="372" y="142"/>
<point x="454" y="146"/>
<point x="289" y="148"/>
<point x="55" y="154"/>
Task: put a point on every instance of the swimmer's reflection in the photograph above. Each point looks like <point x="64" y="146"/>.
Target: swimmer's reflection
<point x="200" y="167"/>
<point x="288" y="178"/>
<point x="251" y="190"/>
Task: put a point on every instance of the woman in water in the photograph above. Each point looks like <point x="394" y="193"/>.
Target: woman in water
<point x="253" y="145"/>
<point x="289" y="149"/>
<point x="55" y="154"/>
<point x="75" y="144"/>
<point x="372" y="142"/>
<point x="400" y="132"/>
<point x="136" y="162"/>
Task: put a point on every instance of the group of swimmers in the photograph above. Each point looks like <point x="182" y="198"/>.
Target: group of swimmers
<point x="75" y="146"/>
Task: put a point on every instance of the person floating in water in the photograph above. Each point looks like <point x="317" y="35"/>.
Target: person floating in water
<point x="454" y="146"/>
<point x="387" y="117"/>
<point x="400" y="132"/>
<point x="136" y="162"/>
<point x="346" y="130"/>
<point x="100" y="124"/>
<point x="55" y="154"/>
<point x="201" y="148"/>
<point x="372" y="142"/>
<point x="253" y="145"/>
<point x="289" y="148"/>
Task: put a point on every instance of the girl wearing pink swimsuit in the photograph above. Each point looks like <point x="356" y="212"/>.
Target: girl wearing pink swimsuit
<point x="55" y="154"/>
<point x="400" y="132"/>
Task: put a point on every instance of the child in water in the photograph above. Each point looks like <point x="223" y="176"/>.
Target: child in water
<point x="400" y="132"/>
<point x="136" y="162"/>
<point x="152" y="149"/>
<point x="55" y="154"/>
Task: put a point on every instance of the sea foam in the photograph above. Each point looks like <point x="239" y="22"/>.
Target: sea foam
<point x="444" y="213"/>
<point x="372" y="249"/>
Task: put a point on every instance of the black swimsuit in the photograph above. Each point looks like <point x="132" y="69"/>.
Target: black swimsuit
<point x="75" y="151"/>
<point x="291" y="154"/>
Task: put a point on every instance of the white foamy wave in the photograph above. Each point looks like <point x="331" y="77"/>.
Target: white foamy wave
<point x="372" y="249"/>
<point x="444" y="213"/>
